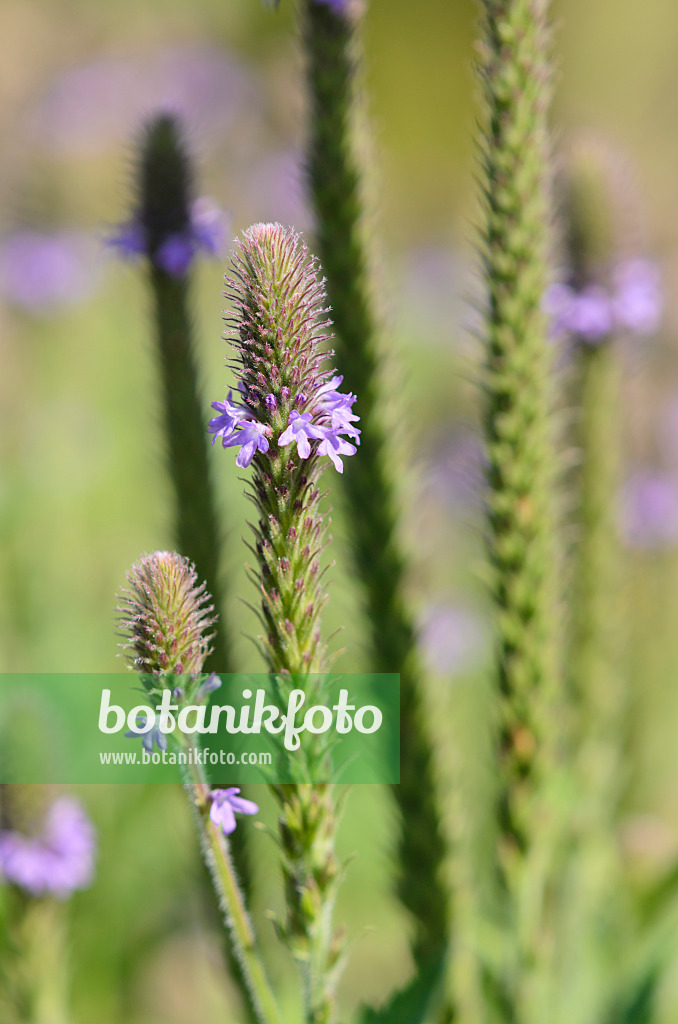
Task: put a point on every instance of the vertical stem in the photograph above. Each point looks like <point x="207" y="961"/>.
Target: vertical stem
<point x="34" y="974"/>
<point x="336" y="195"/>
<point x="196" y="525"/>
<point x="515" y="241"/>
<point x="218" y="860"/>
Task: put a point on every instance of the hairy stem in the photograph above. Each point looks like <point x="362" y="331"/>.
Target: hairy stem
<point x="218" y="859"/>
<point x="515" y="74"/>
<point x="335" y="187"/>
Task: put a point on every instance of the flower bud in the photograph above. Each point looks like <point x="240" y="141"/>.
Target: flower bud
<point x="166" y="615"/>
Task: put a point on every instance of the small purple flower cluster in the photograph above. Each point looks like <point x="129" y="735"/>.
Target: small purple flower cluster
<point x="592" y="313"/>
<point x="57" y="861"/>
<point x="327" y="417"/>
<point x="207" y="233"/>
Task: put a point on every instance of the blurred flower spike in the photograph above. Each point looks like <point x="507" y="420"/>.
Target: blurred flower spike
<point x="286" y="398"/>
<point x="207" y="233"/>
<point x="633" y="305"/>
<point x="56" y="861"/>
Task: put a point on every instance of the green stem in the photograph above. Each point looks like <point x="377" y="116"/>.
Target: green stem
<point x="336" y="194"/>
<point x="218" y="860"/>
<point x="34" y="974"/>
<point x="196" y="525"/>
<point x="515" y="244"/>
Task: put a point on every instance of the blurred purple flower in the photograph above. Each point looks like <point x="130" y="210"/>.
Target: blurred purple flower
<point x="209" y="685"/>
<point x="208" y="232"/>
<point x="638" y="300"/>
<point x="59" y="860"/>
<point x="224" y="803"/>
<point x="452" y="638"/>
<point x="41" y="271"/>
<point x="588" y="314"/>
<point x="154" y="737"/>
<point x="338" y="6"/>
<point x="93" y="106"/>
<point x="634" y="303"/>
<point x="649" y="510"/>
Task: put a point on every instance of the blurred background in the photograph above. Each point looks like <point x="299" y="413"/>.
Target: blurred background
<point x="82" y="485"/>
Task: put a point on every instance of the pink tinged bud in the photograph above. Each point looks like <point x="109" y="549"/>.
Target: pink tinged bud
<point x="163" y="589"/>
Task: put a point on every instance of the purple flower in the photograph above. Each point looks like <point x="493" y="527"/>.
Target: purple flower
<point x="209" y="685"/>
<point x="638" y="299"/>
<point x="649" y="511"/>
<point x="634" y="303"/>
<point x="231" y="415"/>
<point x="40" y="271"/>
<point x="252" y="436"/>
<point x="57" y="861"/>
<point x="154" y="737"/>
<point x="301" y="430"/>
<point x="207" y="233"/>
<point x="224" y="803"/>
<point x="175" y="255"/>
<point x="338" y="6"/>
<point x="587" y="314"/>
<point x="338" y="407"/>
<point x="591" y="314"/>
<point x="210" y="226"/>
<point x="334" y="446"/>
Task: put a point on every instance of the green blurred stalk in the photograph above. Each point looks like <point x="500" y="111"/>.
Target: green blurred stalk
<point x="34" y="974"/>
<point x="165" y="195"/>
<point x="196" y="528"/>
<point x="334" y="176"/>
<point x="516" y="79"/>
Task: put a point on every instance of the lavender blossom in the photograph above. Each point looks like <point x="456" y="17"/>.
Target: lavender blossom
<point x="58" y="860"/>
<point x="633" y="303"/>
<point x="150" y="738"/>
<point x="206" y="232"/>
<point x="252" y="437"/>
<point x="230" y="415"/>
<point x="638" y="300"/>
<point x="41" y="271"/>
<point x="224" y="803"/>
<point x="649" y="510"/>
<point x="301" y="430"/>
